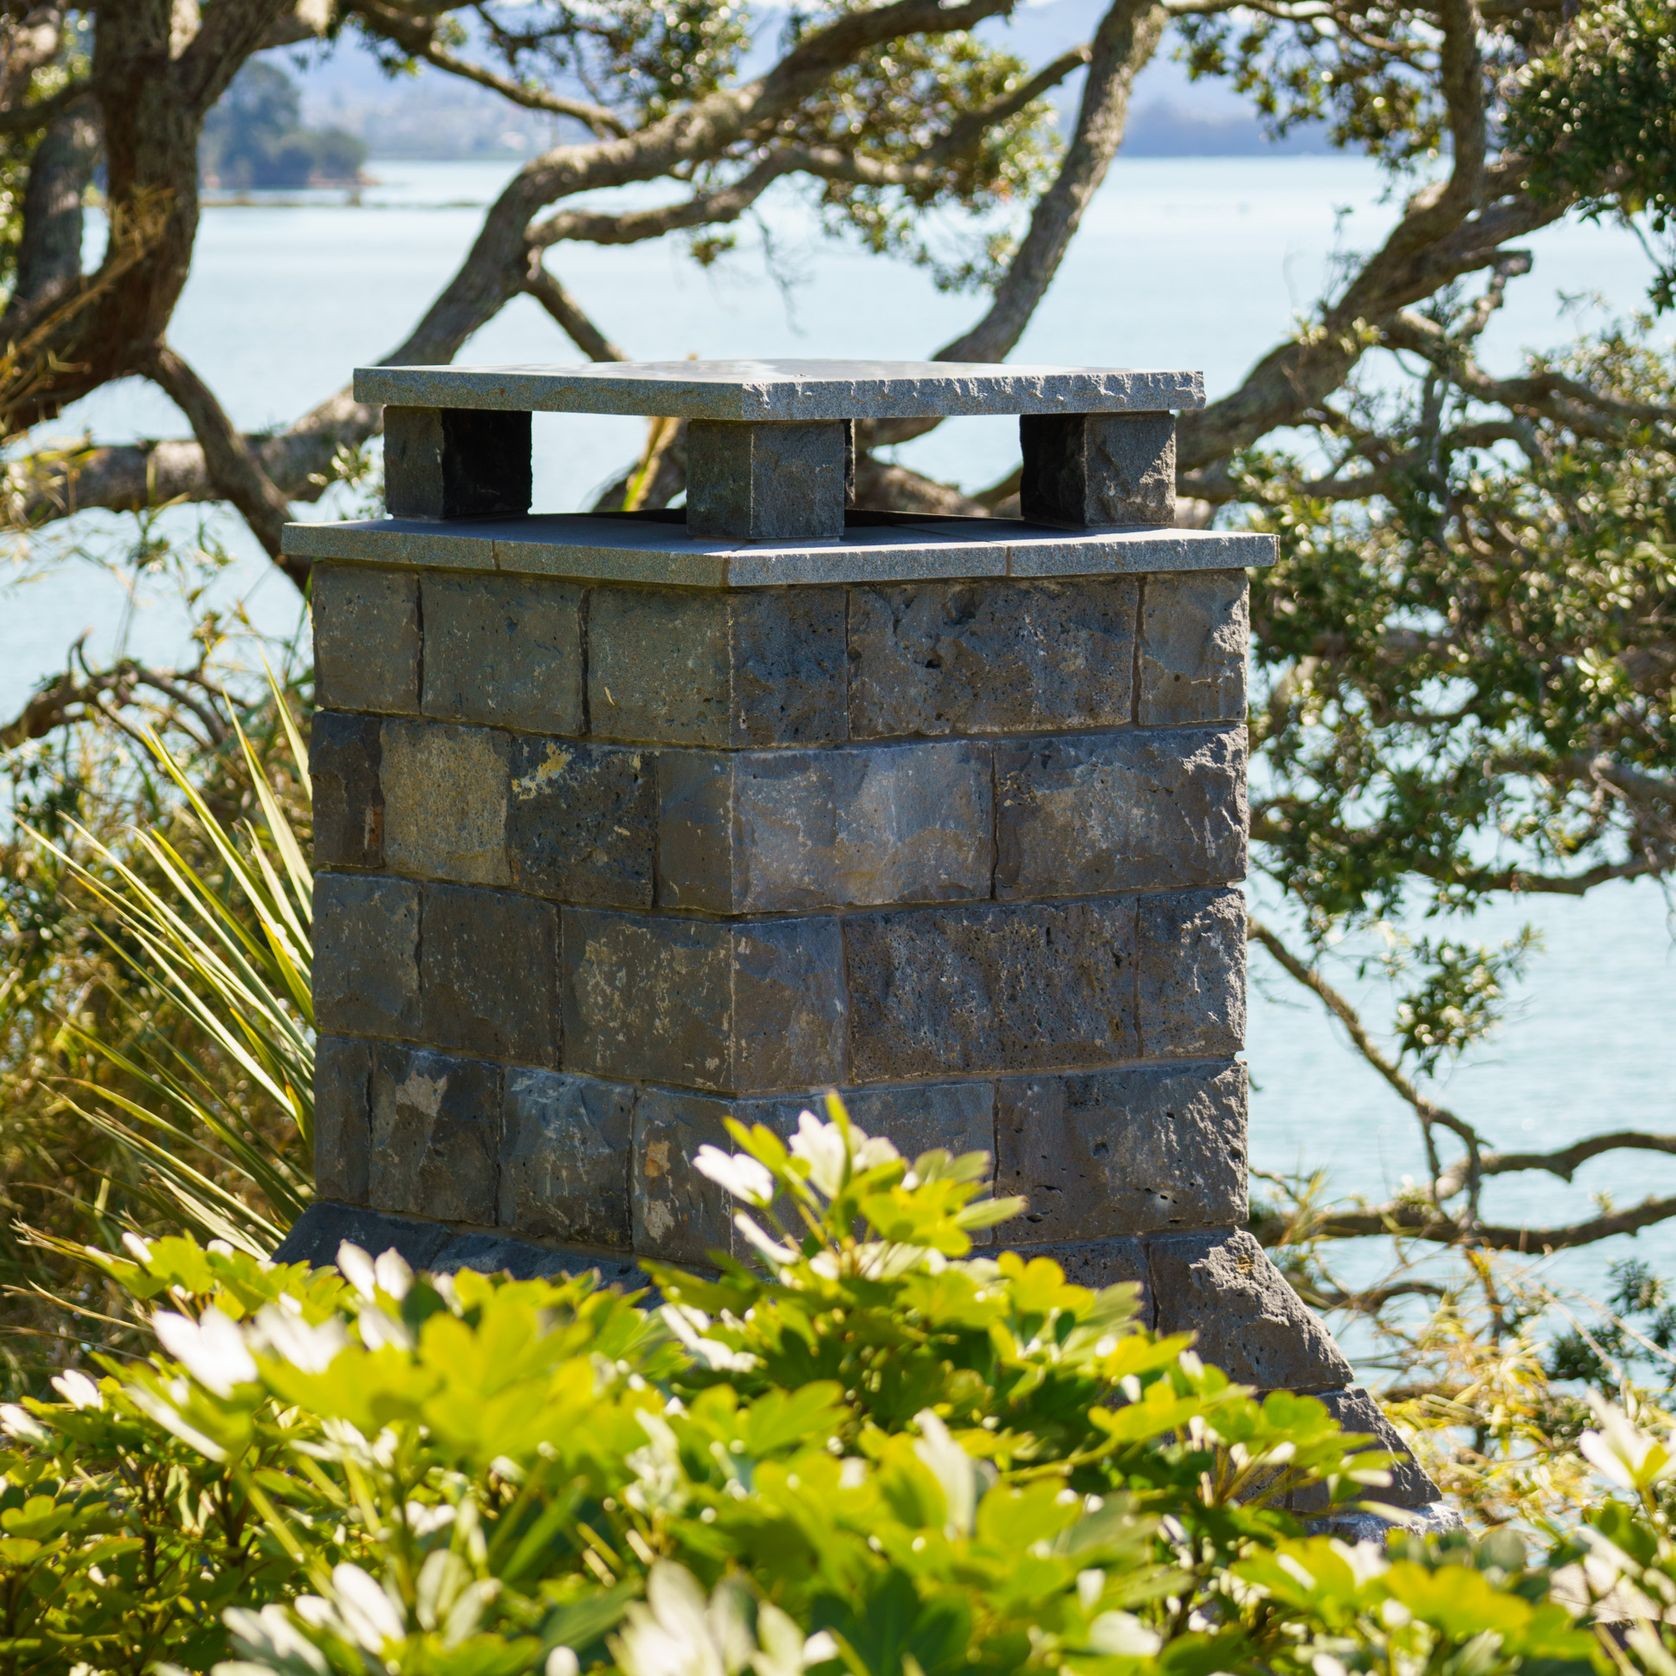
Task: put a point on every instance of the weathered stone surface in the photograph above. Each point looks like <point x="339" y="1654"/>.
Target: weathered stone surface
<point x="527" y="1260"/>
<point x="324" y="1226"/>
<point x="679" y="1215"/>
<point x="488" y="974"/>
<point x="766" y="482"/>
<point x="955" y="1117"/>
<point x="1138" y="1150"/>
<point x="1130" y="810"/>
<point x="366" y="955"/>
<point x="1249" y="1322"/>
<point x="990" y="988"/>
<point x="445" y="801"/>
<point x="1190" y="976"/>
<point x="759" y="668"/>
<point x="1192" y="657"/>
<point x="735" y="1007"/>
<point x="366" y="639"/>
<point x="564" y="1170"/>
<point x="855" y="826"/>
<point x="1082" y="469"/>
<point x="436" y="1126"/>
<point x="1356" y="1411"/>
<point x="785" y="389"/>
<point x="999" y="656"/>
<point x="443" y="462"/>
<point x="582" y="823"/>
<point x="343" y="766"/>
<point x="342" y="1118"/>
<point x="503" y="649"/>
<point x="1096" y="1263"/>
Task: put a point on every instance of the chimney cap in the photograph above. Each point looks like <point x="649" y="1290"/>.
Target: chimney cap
<point x="772" y="391"/>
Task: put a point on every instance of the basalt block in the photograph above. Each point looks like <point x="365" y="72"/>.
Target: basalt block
<point x="766" y="482"/>
<point x="450" y="462"/>
<point x="1193" y="647"/>
<point x="1190" y="973"/>
<point x="445" y="801"/>
<point x="366" y="955"/>
<point x="366" y="638"/>
<point x="582" y="821"/>
<point x="1142" y="1149"/>
<point x="345" y="754"/>
<point x="990" y="988"/>
<point x="1099" y="1263"/>
<point x="949" y="658"/>
<point x="436" y="1127"/>
<point x="342" y="1118"/>
<point x="503" y="650"/>
<point x="1089" y="469"/>
<point x="1356" y="1411"/>
<point x="564" y="1171"/>
<point x="777" y="831"/>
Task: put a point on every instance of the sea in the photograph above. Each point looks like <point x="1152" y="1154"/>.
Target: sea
<point x="1202" y="262"/>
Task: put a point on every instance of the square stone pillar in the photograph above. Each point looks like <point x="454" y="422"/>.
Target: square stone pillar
<point x="622" y="826"/>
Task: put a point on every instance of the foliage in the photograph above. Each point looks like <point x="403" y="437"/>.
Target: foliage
<point x="872" y="1452"/>
<point x="256" y="137"/>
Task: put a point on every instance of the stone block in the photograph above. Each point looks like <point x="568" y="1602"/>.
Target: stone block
<point x="1130" y="810"/>
<point x="343" y="765"/>
<point x="582" y="823"/>
<point x="436" y="1126"/>
<point x="766" y="482"/>
<point x="324" y="1227"/>
<point x="990" y="988"/>
<point x="1095" y="1263"/>
<point x="445" y="801"/>
<point x="735" y="1007"/>
<point x="1191" y="664"/>
<point x="366" y="955"/>
<point x="994" y="656"/>
<point x="564" y="1171"/>
<point x="1142" y="1149"/>
<point x="448" y="462"/>
<point x="342" y="1118"/>
<point x="1248" y="1320"/>
<point x="503" y="649"/>
<point x="1190" y="977"/>
<point x="956" y="1117"/>
<point x="680" y="1215"/>
<point x="1098" y="468"/>
<point x="726" y="669"/>
<point x="366" y="639"/>
<point x="488" y="974"/>
<point x="1356" y="1411"/>
<point x="854" y="826"/>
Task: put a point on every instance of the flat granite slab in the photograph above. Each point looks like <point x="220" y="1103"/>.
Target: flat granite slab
<point x="656" y="548"/>
<point x="785" y="390"/>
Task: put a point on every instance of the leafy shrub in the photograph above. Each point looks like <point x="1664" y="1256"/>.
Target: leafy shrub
<point x="873" y="1451"/>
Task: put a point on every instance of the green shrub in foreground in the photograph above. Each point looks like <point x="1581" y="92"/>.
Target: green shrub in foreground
<point x="871" y="1452"/>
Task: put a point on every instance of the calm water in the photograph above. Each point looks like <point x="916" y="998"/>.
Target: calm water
<point x="1197" y="262"/>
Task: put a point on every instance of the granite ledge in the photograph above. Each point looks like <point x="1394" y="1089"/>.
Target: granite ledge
<point x="659" y="551"/>
<point x="768" y="391"/>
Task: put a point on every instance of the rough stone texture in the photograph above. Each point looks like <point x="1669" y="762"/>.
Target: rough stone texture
<point x="1131" y="810"/>
<point x="777" y="482"/>
<point x="1097" y="1263"/>
<point x="342" y="1118"/>
<point x="366" y="639"/>
<point x="343" y="764"/>
<point x="856" y="826"/>
<point x="436" y="1124"/>
<point x="526" y="1260"/>
<point x="1089" y="469"/>
<point x="564" y="1171"/>
<point x="785" y="389"/>
<point x="1190" y="976"/>
<point x="445" y="801"/>
<point x="1191" y="662"/>
<point x="502" y="649"/>
<point x="582" y="823"/>
<point x="990" y="988"/>
<point x="717" y="669"/>
<point x="446" y="462"/>
<point x="679" y="1215"/>
<point x="1356" y="1411"/>
<point x="366" y="955"/>
<point x="936" y="658"/>
<point x="733" y="1007"/>
<point x="324" y="1226"/>
<point x="1249" y="1322"/>
<point x="1138" y="1150"/>
<point x="488" y="974"/>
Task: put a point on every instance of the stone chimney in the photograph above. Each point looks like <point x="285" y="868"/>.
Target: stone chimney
<point x="624" y="823"/>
